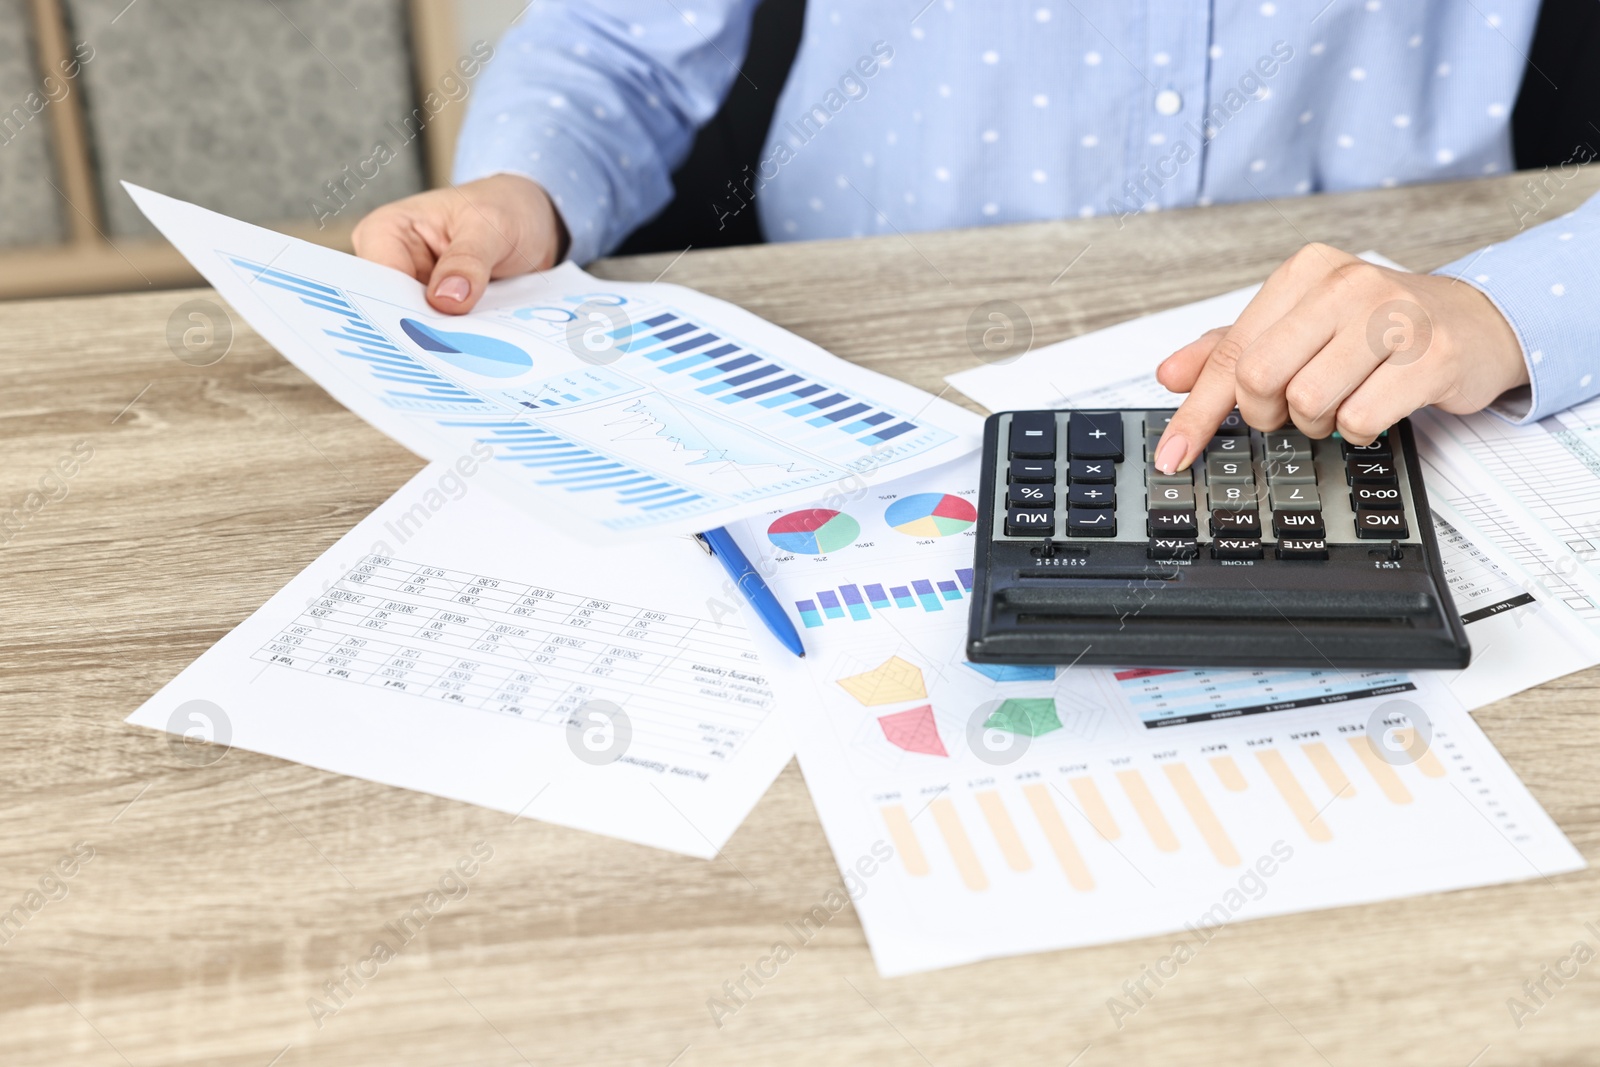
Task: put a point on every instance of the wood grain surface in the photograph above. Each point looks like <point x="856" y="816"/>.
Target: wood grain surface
<point x="220" y="899"/>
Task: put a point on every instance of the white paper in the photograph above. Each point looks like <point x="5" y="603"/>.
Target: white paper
<point x="614" y="409"/>
<point x="447" y="645"/>
<point x="1113" y="367"/>
<point x="1145" y="801"/>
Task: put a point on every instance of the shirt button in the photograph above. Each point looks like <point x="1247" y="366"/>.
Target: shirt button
<point x="1168" y="102"/>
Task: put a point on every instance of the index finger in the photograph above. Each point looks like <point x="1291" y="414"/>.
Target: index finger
<point x="1215" y="391"/>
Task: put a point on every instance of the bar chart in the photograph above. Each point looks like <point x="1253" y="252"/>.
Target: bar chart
<point x="670" y="420"/>
<point x="858" y="602"/>
<point x="1089" y="822"/>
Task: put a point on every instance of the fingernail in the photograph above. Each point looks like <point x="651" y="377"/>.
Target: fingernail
<point x="1171" y="453"/>
<point x="454" y="288"/>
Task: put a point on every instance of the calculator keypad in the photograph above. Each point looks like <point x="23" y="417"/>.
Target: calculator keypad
<point x="1073" y="475"/>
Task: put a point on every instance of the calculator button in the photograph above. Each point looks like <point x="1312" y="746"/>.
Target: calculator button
<point x="1377" y="449"/>
<point x="1091" y="495"/>
<point x="1172" y="523"/>
<point x="1302" y="548"/>
<point x="1381" y="525"/>
<point x="1152" y="476"/>
<point x="1294" y="497"/>
<point x="1283" y="444"/>
<point x="1364" y="470"/>
<point x="1091" y="522"/>
<point x="1298" y="524"/>
<point x="1228" y="446"/>
<point x="1151" y="442"/>
<point x="1229" y="469"/>
<point x="1229" y="495"/>
<point x="1156" y="421"/>
<point x="1173" y="548"/>
<point x="1171" y="496"/>
<point x="1095" y="435"/>
<point x="1233" y="425"/>
<point x="1292" y="471"/>
<point x="1023" y="495"/>
<point x="1225" y="522"/>
<point x="1376" y="498"/>
<point x="1098" y="471"/>
<point x="1033" y="470"/>
<point x="1236" y="548"/>
<point x="1033" y="434"/>
<point x="1026" y="522"/>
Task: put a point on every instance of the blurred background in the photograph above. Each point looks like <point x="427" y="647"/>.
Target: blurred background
<point x="267" y="110"/>
<point x="274" y="111"/>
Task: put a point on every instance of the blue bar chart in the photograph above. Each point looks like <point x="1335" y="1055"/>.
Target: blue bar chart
<point x="732" y="374"/>
<point x="857" y="602"/>
<point x="411" y="386"/>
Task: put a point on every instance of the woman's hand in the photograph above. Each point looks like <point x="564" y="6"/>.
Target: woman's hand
<point x="455" y="239"/>
<point x="1332" y="342"/>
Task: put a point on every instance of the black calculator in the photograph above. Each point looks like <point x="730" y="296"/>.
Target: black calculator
<point x="1271" y="550"/>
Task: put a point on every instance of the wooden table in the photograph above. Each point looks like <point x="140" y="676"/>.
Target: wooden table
<point x="219" y="899"/>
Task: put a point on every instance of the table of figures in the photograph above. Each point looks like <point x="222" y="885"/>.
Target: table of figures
<point x="689" y="688"/>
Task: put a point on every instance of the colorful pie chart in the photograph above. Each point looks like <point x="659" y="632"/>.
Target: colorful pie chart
<point x="488" y="356"/>
<point x="813" y="532"/>
<point x="931" y="515"/>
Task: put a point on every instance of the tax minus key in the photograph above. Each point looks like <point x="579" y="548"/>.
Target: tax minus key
<point x="1033" y="434"/>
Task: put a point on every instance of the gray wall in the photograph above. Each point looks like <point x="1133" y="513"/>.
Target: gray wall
<point x="246" y="106"/>
<point x="30" y="210"/>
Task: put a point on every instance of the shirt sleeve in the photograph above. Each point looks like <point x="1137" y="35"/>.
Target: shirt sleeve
<point x="1546" y="282"/>
<point x="598" y="101"/>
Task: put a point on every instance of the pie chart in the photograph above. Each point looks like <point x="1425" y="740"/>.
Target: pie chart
<point x="931" y="515"/>
<point x="488" y="356"/>
<point x="813" y="532"/>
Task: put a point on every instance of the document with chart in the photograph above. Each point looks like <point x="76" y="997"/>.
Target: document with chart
<point x="613" y="409"/>
<point x="449" y="646"/>
<point x="994" y="810"/>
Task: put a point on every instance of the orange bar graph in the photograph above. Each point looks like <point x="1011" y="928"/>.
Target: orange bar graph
<point x="1205" y="819"/>
<point x="1328" y="769"/>
<point x="1381" y="772"/>
<point x="906" y="845"/>
<point x="1094" y="808"/>
<point x="960" y="846"/>
<point x="1427" y="763"/>
<point x="1149" y="812"/>
<point x="1228" y="774"/>
<point x="1288" y="787"/>
<point x="1004" y="830"/>
<point x="1055" y="832"/>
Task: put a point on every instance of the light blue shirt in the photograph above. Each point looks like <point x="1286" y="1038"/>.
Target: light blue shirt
<point x="969" y="113"/>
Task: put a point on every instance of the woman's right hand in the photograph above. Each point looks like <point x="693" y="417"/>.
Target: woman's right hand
<point x="455" y="239"/>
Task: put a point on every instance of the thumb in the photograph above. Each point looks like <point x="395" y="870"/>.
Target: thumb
<point x="462" y="273"/>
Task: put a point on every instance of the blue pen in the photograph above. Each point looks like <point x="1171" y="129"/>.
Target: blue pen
<point x="719" y="543"/>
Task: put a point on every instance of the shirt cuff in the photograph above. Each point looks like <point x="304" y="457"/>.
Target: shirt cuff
<point x="1546" y="282"/>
